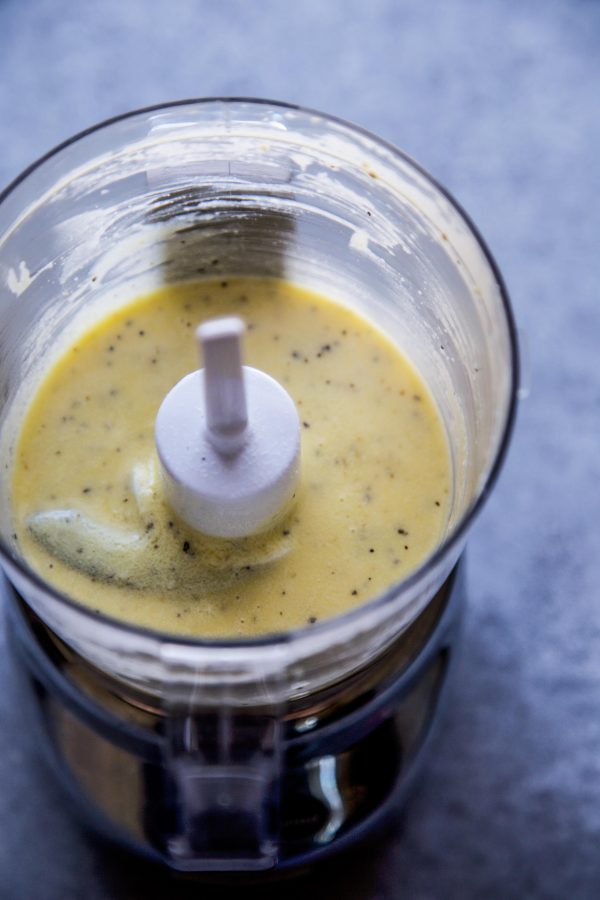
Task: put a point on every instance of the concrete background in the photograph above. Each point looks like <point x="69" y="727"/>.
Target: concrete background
<point x="500" y="100"/>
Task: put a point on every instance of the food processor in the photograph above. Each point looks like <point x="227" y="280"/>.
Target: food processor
<point x="259" y="754"/>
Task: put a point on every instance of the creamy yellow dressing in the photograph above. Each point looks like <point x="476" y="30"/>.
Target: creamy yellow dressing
<point x="375" y="487"/>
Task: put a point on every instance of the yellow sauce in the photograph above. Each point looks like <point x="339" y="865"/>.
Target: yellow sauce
<point x="88" y="510"/>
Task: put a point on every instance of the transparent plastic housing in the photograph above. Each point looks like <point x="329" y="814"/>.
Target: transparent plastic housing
<point x="267" y="189"/>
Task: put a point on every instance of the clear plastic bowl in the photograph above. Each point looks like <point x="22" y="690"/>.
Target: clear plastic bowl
<point x="267" y="189"/>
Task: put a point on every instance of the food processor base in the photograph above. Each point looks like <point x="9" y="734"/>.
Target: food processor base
<point x="348" y="755"/>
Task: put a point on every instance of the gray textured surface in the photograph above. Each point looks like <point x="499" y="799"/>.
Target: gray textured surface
<point x="499" y="100"/>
